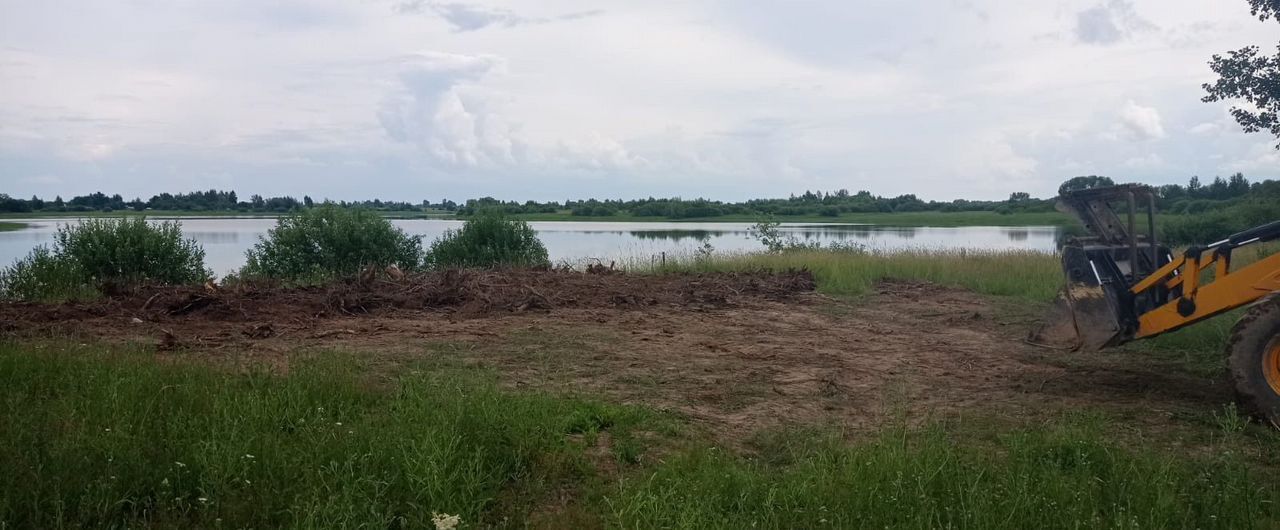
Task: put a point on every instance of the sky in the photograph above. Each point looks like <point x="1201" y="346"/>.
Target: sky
<point x="559" y="99"/>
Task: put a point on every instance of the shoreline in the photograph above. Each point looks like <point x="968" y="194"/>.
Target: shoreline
<point x="905" y="219"/>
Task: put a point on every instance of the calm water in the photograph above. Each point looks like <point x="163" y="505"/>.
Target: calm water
<point x="226" y="240"/>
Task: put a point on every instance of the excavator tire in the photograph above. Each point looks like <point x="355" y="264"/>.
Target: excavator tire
<point x="1253" y="355"/>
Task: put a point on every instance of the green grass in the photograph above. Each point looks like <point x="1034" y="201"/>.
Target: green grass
<point x="9" y="227"/>
<point x="1065" y="474"/>
<point x="95" y="437"/>
<point x="1024" y="275"/>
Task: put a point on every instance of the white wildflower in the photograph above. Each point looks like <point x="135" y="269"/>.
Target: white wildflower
<point x="444" y="521"/>
<point x="179" y="464"/>
<point x="202" y="499"/>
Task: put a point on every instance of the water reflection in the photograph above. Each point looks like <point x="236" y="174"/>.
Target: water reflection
<point x="680" y="235"/>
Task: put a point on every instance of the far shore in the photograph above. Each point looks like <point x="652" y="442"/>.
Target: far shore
<point x="903" y="219"/>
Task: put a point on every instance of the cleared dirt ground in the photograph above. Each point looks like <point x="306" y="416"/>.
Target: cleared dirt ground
<point x="735" y="352"/>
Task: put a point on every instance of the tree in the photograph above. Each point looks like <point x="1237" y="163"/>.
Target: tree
<point x="1247" y="75"/>
<point x="1264" y="9"/>
<point x="1084" y="183"/>
<point x="1019" y="196"/>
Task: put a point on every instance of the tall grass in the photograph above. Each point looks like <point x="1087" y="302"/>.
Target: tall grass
<point x="9" y="227"/>
<point x="97" y="438"/>
<point x="113" y="439"/>
<point x="1066" y="475"/>
<point x="1026" y="275"/>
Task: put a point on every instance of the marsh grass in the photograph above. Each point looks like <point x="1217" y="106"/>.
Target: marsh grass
<point x="9" y="227"/>
<point x="1025" y="275"/>
<point x="98" y="437"/>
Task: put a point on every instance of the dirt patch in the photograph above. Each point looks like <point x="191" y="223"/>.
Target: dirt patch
<point x="737" y="352"/>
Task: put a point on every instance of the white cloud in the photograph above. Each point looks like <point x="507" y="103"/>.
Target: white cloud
<point x="1150" y="161"/>
<point x="1142" y="122"/>
<point x="1109" y="23"/>
<point x="570" y="98"/>
<point x="472" y="17"/>
<point x="1205" y="128"/>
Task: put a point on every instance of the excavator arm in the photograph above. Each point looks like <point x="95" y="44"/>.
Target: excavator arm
<point x="1227" y="290"/>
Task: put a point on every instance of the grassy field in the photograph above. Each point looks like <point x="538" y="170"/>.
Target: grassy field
<point x="108" y="436"/>
<point x="101" y="437"/>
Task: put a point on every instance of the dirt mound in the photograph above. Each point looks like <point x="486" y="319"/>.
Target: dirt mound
<point x="472" y="293"/>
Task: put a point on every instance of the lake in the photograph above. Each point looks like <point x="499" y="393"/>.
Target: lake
<point x="226" y="240"/>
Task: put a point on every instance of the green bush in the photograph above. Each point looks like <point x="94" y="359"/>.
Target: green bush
<point x="488" y="240"/>
<point x="321" y="243"/>
<point x="1213" y="225"/>
<point x="103" y="256"/>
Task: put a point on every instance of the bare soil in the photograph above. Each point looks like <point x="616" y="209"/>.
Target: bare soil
<point x="737" y="352"/>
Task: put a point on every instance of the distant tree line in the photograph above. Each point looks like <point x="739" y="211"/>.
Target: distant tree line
<point x="199" y="201"/>
<point x="810" y="203"/>
<point x="1195" y="197"/>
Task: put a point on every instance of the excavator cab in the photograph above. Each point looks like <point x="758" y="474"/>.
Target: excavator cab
<point x="1123" y="285"/>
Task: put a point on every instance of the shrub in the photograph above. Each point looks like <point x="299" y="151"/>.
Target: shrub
<point x="488" y="240"/>
<point x="1212" y="225"/>
<point x="321" y="243"/>
<point x="103" y="256"/>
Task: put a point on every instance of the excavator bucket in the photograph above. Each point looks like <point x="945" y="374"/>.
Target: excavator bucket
<point x="1083" y="316"/>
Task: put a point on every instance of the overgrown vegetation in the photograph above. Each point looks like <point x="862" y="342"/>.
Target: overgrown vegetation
<point x="1026" y="275"/>
<point x="9" y="227"/>
<point x="102" y="438"/>
<point x="1064" y="475"/>
<point x="95" y="438"/>
<point x="104" y="256"/>
<point x="488" y="240"/>
<point x="325" y="242"/>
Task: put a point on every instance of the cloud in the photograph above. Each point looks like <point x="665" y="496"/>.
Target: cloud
<point x="550" y="100"/>
<point x="1142" y="122"/>
<point x="1109" y="23"/>
<point x="428" y="110"/>
<point x="441" y="108"/>
<point x="1150" y="161"/>
<point x="1205" y="128"/>
<point x="472" y="17"/>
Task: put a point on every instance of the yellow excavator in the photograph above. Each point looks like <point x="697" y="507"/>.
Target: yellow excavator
<point x="1123" y="285"/>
